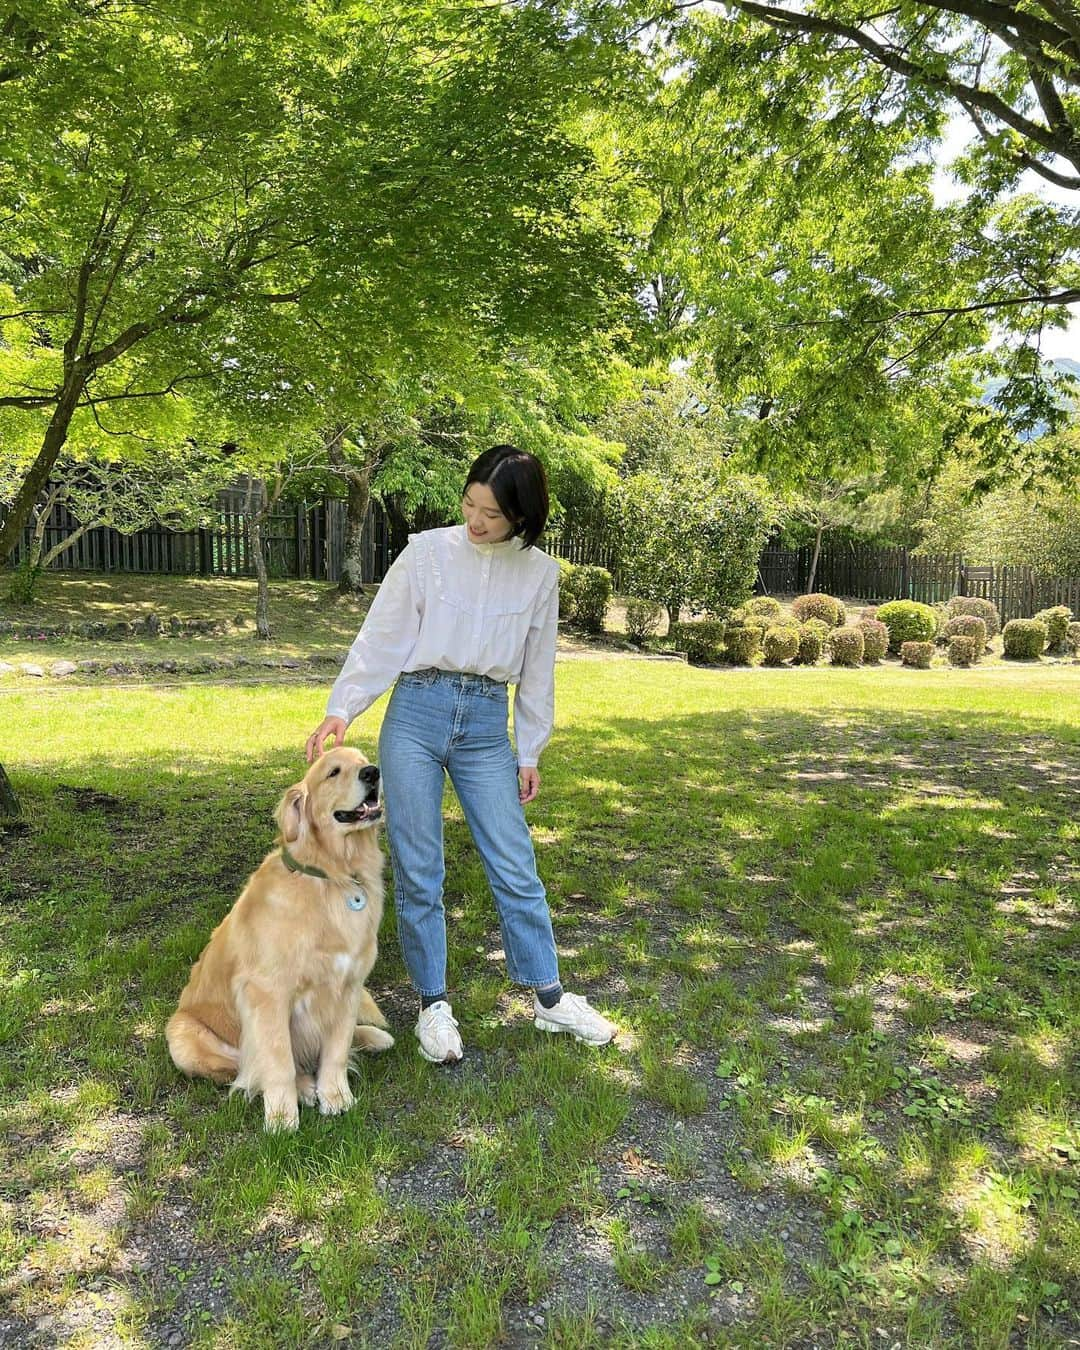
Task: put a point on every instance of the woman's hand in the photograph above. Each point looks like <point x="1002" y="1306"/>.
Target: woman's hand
<point x="529" y="778"/>
<point x="329" y="726"/>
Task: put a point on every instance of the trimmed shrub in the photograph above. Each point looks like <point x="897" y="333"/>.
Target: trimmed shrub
<point x="1072" y="638"/>
<point x="741" y="644"/>
<point x="917" y="654"/>
<point x="907" y="621"/>
<point x="591" y="588"/>
<point x="567" y="600"/>
<point x="781" y="644"/>
<point x="966" y="625"/>
<point x="965" y="651"/>
<point x="763" y="607"/>
<point x="1024" y="639"/>
<point x="868" y="612"/>
<point x="811" y="644"/>
<point x="846" y="647"/>
<point x="875" y="640"/>
<point x="820" y="627"/>
<point x="703" y="642"/>
<point x="841" y="614"/>
<point x="982" y="609"/>
<point x="1057" y="621"/>
<point x="642" y="619"/>
<point x="817" y="606"/>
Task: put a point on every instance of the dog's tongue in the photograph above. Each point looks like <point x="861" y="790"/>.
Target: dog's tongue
<point x="359" y="813"/>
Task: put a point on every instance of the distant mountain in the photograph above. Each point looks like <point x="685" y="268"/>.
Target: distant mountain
<point x="1060" y="365"/>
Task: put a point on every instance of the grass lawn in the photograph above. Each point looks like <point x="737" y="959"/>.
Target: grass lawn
<point x="833" y="911"/>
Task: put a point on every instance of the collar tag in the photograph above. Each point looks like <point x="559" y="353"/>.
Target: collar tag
<point x="357" y="901"/>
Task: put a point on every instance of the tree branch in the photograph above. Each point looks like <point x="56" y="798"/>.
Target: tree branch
<point x="1068" y="147"/>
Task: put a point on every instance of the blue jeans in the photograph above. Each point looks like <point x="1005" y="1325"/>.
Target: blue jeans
<point x="438" y="723"/>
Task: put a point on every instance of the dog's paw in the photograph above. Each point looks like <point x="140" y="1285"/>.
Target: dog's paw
<point x="305" y="1089"/>
<point x="281" y="1115"/>
<point x="335" y="1097"/>
<point x="372" y="1039"/>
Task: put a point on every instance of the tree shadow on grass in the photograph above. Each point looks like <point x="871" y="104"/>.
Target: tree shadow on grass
<point x="930" y="850"/>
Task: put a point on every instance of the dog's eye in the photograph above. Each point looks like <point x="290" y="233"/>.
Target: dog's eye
<point x="334" y="771"/>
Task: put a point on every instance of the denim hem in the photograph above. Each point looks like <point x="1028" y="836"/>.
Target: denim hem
<point x="534" y="984"/>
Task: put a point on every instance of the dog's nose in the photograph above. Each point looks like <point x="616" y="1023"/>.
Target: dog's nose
<point x="369" y="774"/>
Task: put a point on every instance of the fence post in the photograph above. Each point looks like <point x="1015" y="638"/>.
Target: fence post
<point x="905" y="574"/>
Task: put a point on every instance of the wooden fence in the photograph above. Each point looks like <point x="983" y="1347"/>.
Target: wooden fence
<point x="876" y="574"/>
<point x="305" y="541"/>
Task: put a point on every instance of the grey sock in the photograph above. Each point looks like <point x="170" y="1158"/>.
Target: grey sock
<point x="549" y="997"/>
<point x="426" y="1000"/>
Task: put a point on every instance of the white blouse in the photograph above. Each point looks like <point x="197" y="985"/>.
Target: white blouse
<point x="489" y="609"/>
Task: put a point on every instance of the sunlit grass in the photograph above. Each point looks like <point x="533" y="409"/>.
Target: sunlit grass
<point x="835" y="917"/>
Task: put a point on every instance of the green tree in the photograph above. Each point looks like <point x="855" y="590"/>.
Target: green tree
<point x="693" y="537"/>
<point x="274" y="210"/>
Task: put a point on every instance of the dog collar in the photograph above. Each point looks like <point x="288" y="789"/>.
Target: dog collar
<point x="357" y="901"/>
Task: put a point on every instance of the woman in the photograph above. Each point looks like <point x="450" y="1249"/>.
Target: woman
<point x="461" y="613"/>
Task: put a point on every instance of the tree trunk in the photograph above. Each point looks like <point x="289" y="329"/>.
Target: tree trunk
<point x="255" y="521"/>
<point x="814" y="561"/>
<point x="34" y="483"/>
<point x="9" y="803"/>
<point x="352" y="566"/>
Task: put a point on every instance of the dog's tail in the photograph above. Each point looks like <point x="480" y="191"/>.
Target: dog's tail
<point x="200" y="1052"/>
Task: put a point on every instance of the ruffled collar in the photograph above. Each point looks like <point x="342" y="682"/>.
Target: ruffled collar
<point x="502" y="546"/>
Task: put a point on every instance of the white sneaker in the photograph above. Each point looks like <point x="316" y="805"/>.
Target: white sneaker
<point x="436" y="1030"/>
<point x="572" y="1013"/>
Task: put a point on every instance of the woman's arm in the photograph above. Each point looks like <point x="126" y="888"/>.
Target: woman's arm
<point x="534" y="698"/>
<point x="385" y="641"/>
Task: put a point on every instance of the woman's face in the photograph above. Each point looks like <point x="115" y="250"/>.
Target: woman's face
<point x="483" y="515"/>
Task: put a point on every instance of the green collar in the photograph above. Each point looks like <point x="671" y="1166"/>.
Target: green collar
<point x="294" y="866"/>
<point x="357" y="901"/>
<point x="286" y="857"/>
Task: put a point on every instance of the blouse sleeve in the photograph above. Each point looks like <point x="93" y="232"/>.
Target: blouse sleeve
<point x="534" y="698"/>
<point x="385" y="642"/>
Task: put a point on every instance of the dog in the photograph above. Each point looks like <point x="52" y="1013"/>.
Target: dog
<point x="277" y="1001"/>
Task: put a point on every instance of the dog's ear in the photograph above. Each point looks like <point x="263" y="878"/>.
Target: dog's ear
<point x="291" y="814"/>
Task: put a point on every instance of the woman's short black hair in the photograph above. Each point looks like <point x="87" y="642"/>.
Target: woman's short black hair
<point x="519" y="484"/>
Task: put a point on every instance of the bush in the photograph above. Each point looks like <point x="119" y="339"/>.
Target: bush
<point x="982" y="609"/>
<point x="781" y="644"/>
<point x="966" y="625"/>
<point x="566" y="589"/>
<point x="591" y="590"/>
<point x="846" y="647"/>
<point x="875" y="639"/>
<point x="703" y="642"/>
<point x="917" y="654"/>
<point x="868" y="612"/>
<point x="907" y="621"/>
<point x="1072" y="638"/>
<point x="763" y="607"/>
<point x="817" y="606"/>
<point x="811" y="643"/>
<point x="965" y="651"/>
<point x="1057" y="622"/>
<point x="741" y="644"/>
<point x="841" y="614"/>
<point x="1024" y="638"/>
<point x="820" y="627"/>
<point x="642" y="619"/>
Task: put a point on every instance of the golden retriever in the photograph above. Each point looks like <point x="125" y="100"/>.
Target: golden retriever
<point x="274" y="1001"/>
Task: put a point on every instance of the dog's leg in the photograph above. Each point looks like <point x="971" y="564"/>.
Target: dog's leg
<point x="372" y="1039"/>
<point x="332" y="1080"/>
<point x="305" y="1089"/>
<point x="267" y="1064"/>
<point x="198" y="1052"/>
<point x="369" y="1013"/>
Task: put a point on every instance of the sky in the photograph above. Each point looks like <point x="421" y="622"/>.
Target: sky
<point x="1055" y="342"/>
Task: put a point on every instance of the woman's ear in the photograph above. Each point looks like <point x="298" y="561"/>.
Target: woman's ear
<point x="291" y="814"/>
